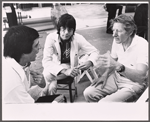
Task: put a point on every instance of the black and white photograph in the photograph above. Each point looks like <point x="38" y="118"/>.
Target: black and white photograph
<point x="78" y="61"/>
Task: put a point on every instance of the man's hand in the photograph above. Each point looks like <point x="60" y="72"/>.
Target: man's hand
<point x="38" y="79"/>
<point x="102" y="80"/>
<point x="85" y="65"/>
<point x="107" y="60"/>
<point x="72" y="72"/>
<point x="45" y="90"/>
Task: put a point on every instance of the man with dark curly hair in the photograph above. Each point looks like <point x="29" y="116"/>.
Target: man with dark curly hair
<point x="61" y="53"/>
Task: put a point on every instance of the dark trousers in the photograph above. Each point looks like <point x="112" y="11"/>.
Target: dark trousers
<point x="111" y="15"/>
<point x="12" y="19"/>
<point x="112" y="9"/>
<point x="143" y="32"/>
<point x="120" y="9"/>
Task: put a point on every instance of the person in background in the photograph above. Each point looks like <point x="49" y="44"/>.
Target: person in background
<point x="56" y="11"/>
<point x="112" y="9"/>
<point x="21" y="45"/>
<point x="141" y="20"/>
<point x="126" y="66"/>
<point x="11" y="14"/>
<point x="61" y="53"/>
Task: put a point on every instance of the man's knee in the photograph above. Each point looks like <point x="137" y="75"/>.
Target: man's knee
<point x="87" y="92"/>
<point x="53" y="85"/>
<point x="50" y="89"/>
<point x="91" y="95"/>
<point x="48" y="76"/>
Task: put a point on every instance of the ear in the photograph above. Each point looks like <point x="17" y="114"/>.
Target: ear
<point x="131" y="33"/>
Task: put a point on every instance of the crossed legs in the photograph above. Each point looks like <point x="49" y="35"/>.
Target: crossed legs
<point x="110" y="93"/>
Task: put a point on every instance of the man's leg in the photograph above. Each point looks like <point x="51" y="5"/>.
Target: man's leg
<point x="94" y="94"/>
<point x="51" y="81"/>
<point x="120" y="96"/>
<point x="120" y="10"/>
<point x="51" y="84"/>
<point x="111" y="15"/>
<point x="35" y="92"/>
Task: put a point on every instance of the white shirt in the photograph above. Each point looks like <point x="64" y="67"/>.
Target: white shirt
<point x="14" y="83"/>
<point x="135" y="54"/>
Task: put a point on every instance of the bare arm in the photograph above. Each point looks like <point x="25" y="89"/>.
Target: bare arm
<point x="136" y="75"/>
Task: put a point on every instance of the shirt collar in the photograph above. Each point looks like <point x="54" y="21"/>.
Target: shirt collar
<point x="133" y="41"/>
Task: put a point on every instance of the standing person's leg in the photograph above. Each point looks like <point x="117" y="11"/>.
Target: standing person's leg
<point x="111" y="15"/>
<point x="94" y="94"/>
<point x="9" y="17"/>
<point x="120" y="9"/>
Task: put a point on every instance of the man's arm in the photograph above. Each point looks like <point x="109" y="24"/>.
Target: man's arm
<point x="49" y="55"/>
<point x="68" y="72"/>
<point x="138" y="74"/>
<point x="87" y="49"/>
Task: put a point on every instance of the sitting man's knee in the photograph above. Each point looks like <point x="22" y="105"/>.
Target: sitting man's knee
<point x="52" y="89"/>
<point x="48" y="76"/>
<point x="91" y="95"/>
<point x="53" y="85"/>
<point x="88" y="94"/>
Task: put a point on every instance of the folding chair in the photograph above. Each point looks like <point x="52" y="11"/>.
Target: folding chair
<point x="90" y="73"/>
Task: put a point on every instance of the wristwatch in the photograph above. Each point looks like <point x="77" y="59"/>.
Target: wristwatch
<point x="120" y="69"/>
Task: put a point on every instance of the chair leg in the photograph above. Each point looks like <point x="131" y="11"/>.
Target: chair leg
<point x="70" y="92"/>
<point x="76" y="94"/>
<point x="75" y="87"/>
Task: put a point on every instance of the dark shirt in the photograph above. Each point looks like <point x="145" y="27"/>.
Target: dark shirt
<point x="65" y="47"/>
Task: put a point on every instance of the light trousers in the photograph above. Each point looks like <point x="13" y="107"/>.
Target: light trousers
<point x="51" y="82"/>
<point x="112" y="92"/>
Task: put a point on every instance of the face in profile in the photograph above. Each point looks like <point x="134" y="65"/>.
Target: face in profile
<point x="119" y="33"/>
<point x="66" y="33"/>
<point x="35" y="49"/>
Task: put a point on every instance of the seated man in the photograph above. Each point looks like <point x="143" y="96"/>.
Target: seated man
<point x="21" y="44"/>
<point x="61" y="53"/>
<point x="126" y="66"/>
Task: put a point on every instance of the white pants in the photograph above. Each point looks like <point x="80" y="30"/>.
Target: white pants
<point x="35" y="92"/>
<point x="51" y="82"/>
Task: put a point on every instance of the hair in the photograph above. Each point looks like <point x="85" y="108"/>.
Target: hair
<point x="66" y="21"/>
<point x="128" y="22"/>
<point x="18" y="41"/>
